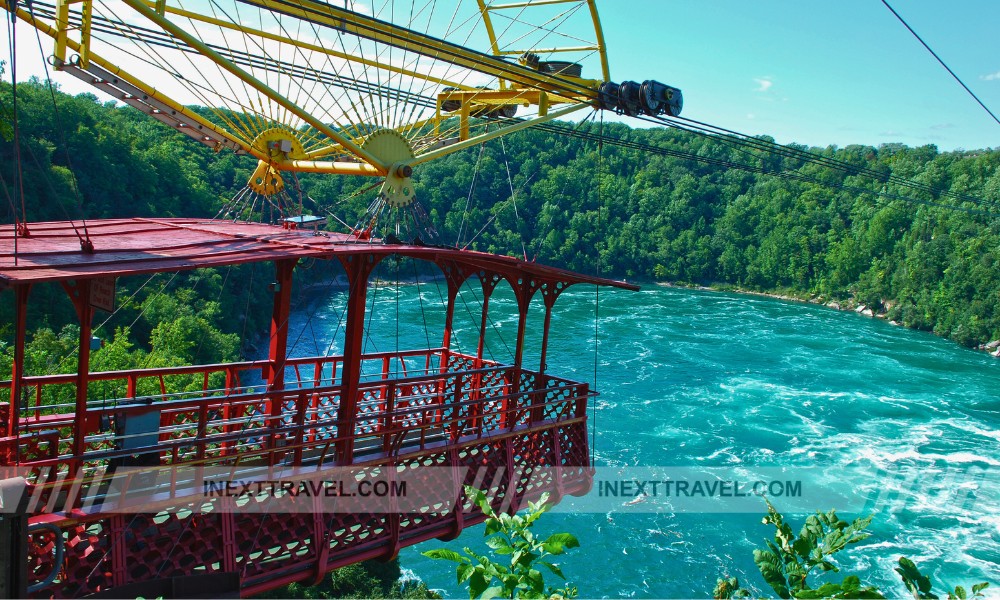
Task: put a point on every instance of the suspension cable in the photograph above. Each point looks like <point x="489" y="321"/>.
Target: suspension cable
<point x="943" y="64"/>
<point x="85" y="243"/>
<point x="597" y="288"/>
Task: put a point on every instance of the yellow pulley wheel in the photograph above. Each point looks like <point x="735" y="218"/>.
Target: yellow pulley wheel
<point x="392" y="148"/>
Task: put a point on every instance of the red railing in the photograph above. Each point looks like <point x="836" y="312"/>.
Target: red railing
<point x="414" y="409"/>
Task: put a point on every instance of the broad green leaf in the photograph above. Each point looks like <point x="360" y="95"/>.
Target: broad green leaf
<point x="463" y="572"/>
<point x="566" y="539"/>
<point x="918" y="584"/>
<point x="443" y="554"/>
<point x="492" y="526"/>
<point x="535" y="581"/>
<point x="477" y="584"/>
<point x="500" y="545"/>
<point x="772" y="570"/>
<point x="492" y="592"/>
<point x="526" y="559"/>
<point x="554" y="568"/>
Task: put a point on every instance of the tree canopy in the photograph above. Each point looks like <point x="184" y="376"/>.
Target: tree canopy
<point x="767" y="222"/>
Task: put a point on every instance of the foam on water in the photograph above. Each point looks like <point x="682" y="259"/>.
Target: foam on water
<point x="698" y="379"/>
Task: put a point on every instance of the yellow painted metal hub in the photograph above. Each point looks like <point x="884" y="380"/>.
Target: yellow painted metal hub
<point x="279" y="144"/>
<point x="390" y="147"/>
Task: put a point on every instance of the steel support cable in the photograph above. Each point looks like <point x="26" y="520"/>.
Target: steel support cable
<point x="281" y="67"/>
<point x="353" y="124"/>
<point x="897" y="181"/>
<point x="12" y="24"/>
<point x="401" y="119"/>
<point x="597" y="288"/>
<point x="468" y="309"/>
<point x="428" y="45"/>
<point x="714" y="132"/>
<point x="420" y="300"/>
<point x="468" y="198"/>
<point x="943" y="64"/>
<point x="563" y="17"/>
<point x="737" y="140"/>
<point x="18" y="177"/>
<point x="85" y="243"/>
<point x="752" y="168"/>
<point x="513" y="196"/>
<point x="371" y="310"/>
<point x="151" y="37"/>
<point x="120" y="29"/>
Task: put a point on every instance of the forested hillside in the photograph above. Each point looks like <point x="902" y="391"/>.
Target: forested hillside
<point x="777" y="224"/>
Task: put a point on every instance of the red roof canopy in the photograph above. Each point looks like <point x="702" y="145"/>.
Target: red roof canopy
<point x="52" y="251"/>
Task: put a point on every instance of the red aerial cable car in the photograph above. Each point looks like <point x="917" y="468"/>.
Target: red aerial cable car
<point x="451" y="410"/>
<point x="111" y="500"/>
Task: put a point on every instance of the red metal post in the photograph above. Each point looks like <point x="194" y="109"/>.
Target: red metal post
<point x="17" y="370"/>
<point x="545" y="339"/>
<point x="358" y="268"/>
<point x="277" y="352"/>
<point x="279" y="324"/>
<point x="487" y="292"/>
<point x="549" y="297"/>
<point x="523" y="295"/>
<point x="449" y="325"/>
<point x="79" y="293"/>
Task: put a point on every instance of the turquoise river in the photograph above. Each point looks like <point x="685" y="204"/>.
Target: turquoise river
<point x="849" y="407"/>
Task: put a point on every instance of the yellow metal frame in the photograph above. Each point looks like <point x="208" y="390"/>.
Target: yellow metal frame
<point x="519" y="85"/>
<point x="599" y="47"/>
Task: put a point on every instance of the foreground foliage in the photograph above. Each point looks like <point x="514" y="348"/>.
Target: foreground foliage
<point x="794" y="565"/>
<point x="369" y="579"/>
<point x="520" y="576"/>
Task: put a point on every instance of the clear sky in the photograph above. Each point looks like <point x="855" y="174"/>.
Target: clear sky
<point x="819" y="72"/>
<point x="815" y="72"/>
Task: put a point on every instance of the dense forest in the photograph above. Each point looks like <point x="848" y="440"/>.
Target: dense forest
<point x="647" y="205"/>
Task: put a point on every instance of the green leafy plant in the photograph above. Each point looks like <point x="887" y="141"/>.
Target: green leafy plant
<point x="510" y="535"/>
<point x="920" y="585"/>
<point x="788" y="562"/>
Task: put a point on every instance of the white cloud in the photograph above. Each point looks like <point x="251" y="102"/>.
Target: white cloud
<point x="991" y="77"/>
<point x="763" y="83"/>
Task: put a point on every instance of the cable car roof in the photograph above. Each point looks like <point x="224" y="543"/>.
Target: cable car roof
<point x="52" y="251"/>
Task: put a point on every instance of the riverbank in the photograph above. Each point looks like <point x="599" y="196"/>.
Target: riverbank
<point x="849" y="305"/>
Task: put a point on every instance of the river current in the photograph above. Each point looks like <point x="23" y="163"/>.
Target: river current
<point x="905" y="421"/>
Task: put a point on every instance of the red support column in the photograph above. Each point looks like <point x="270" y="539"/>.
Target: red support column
<point x="17" y="370"/>
<point x="475" y="409"/>
<point x="277" y="352"/>
<point x="449" y="326"/>
<point x="79" y="293"/>
<point x="279" y="324"/>
<point x="482" y="325"/>
<point x="523" y="292"/>
<point x="455" y="275"/>
<point x="513" y="400"/>
<point x="358" y="268"/>
<point x="550" y="291"/>
<point x="542" y="365"/>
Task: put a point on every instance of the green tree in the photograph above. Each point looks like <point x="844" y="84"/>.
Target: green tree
<point x="798" y="566"/>
<point x="520" y="576"/>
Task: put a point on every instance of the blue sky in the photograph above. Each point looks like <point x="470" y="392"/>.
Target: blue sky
<point x="819" y="72"/>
